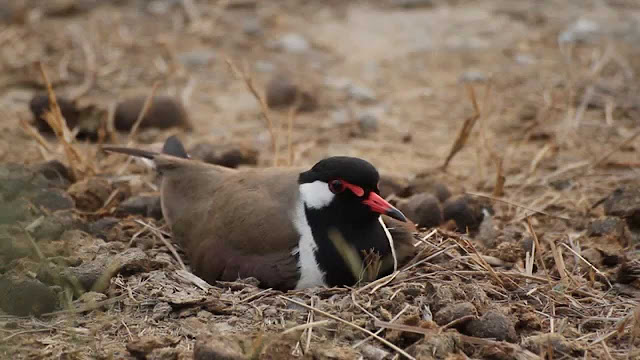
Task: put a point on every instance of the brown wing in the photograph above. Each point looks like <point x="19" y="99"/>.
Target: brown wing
<point x="233" y="223"/>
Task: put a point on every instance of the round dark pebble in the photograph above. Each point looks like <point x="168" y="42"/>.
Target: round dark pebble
<point x="423" y="209"/>
<point x="144" y="205"/>
<point x="164" y="113"/>
<point x="22" y="297"/>
<point x="453" y="312"/>
<point x="465" y="211"/>
<point x="52" y="199"/>
<point x="39" y="105"/>
<point x="225" y="155"/>
<point x="282" y="92"/>
<point x="101" y="227"/>
<point x="390" y="186"/>
<point x="494" y="325"/>
<point x="56" y="172"/>
<point x="427" y="185"/>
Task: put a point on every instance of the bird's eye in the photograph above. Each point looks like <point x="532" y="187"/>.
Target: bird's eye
<point x="336" y="186"/>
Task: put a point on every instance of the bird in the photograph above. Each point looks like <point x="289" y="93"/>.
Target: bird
<point x="277" y="224"/>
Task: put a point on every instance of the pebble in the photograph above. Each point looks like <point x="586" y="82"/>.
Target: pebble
<point x="583" y="30"/>
<point x="453" y="312"/>
<point x="493" y="324"/>
<point x="361" y="94"/>
<point x="90" y="194"/>
<point x="423" y="209"/>
<point x="624" y="202"/>
<point x="23" y="296"/>
<point x="606" y="226"/>
<point x="56" y="172"/>
<point x="293" y="43"/>
<point x="209" y="347"/>
<point x="165" y="112"/>
<point x="389" y="185"/>
<point x="227" y="155"/>
<point x="465" y="211"/>
<point x="429" y="185"/>
<point x="368" y="122"/>
<point x="282" y="92"/>
<point x="197" y="57"/>
<point x="102" y="226"/>
<point x="412" y="4"/>
<point x="39" y="105"/>
<point x="52" y="199"/>
<point x="473" y="76"/>
<point x="144" y="205"/>
<point x="557" y="342"/>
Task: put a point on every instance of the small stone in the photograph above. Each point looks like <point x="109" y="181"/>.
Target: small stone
<point x="39" y="105"/>
<point x="606" y="226"/>
<point x="102" y="227"/>
<point x="371" y="352"/>
<point x="148" y="206"/>
<point x="368" y="122"/>
<point x="428" y="185"/>
<point x="494" y="325"/>
<point x="625" y="203"/>
<point x="293" y="43"/>
<point x="282" y="92"/>
<point x="629" y="272"/>
<point x="389" y="185"/>
<point x="13" y="211"/>
<point x="436" y="346"/>
<point x="465" y="211"/>
<point x="56" y="172"/>
<point x="52" y="199"/>
<point x="453" y="312"/>
<point x="91" y="193"/>
<point x="423" y="209"/>
<point x="143" y="346"/>
<point x="52" y="226"/>
<point x="412" y="4"/>
<point x="214" y="347"/>
<point x="23" y="296"/>
<point x="165" y="112"/>
<point x="361" y="93"/>
<point x="227" y="155"/>
<point x="583" y="30"/>
<point x="197" y="57"/>
<point x="252" y="26"/>
<point x="473" y="76"/>
<point x="557" y="342"/>
<point x="525" y="59"/>
<point x="161" y="310"/>
<point x="167" y="353"/>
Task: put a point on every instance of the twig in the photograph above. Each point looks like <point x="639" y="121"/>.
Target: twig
<point x="23" y="332"/>
<point x="145" y="108"/>
<point x="588" y="263"/>
<point x="539" y="247"/>
<point x="391" y="244"/>
<point x="615" y="149"/>
<point x="465" y="130"/>
<point x="384" y="341"/>
<point x="263" y="106"/>
<point x="516" y="205"/>
<point x="381" y="329"/>
<point x="309" y="326"/>
<point x="90" y="59"/>
<point x="165" y="242"/>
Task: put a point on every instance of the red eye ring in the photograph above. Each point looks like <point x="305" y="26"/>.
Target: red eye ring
<point x="336" y="186"/>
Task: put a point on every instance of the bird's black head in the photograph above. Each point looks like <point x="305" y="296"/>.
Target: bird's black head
<point x="346" y="186"/>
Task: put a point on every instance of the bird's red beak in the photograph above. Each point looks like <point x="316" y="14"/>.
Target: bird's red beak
<point x="381" y="206"/>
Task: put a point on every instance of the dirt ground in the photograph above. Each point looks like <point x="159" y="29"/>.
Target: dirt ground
<point x="548" y="270"/>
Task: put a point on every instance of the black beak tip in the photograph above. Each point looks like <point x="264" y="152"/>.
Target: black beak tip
<point x="396" y="214"/>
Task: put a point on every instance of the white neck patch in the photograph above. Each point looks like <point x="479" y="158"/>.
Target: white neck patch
<point x="310" y="273"/>
<point x="316" y="195"/>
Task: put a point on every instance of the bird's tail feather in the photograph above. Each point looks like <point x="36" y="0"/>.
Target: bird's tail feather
<point x="172" y="147"/>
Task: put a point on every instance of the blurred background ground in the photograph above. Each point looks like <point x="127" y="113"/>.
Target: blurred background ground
<point x="559" y="108"/>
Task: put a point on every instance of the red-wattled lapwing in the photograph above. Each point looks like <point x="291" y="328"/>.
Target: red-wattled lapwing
<point x="276" y="224"/>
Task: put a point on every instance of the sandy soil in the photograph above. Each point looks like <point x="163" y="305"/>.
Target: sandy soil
<point x="554" y="131"/>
